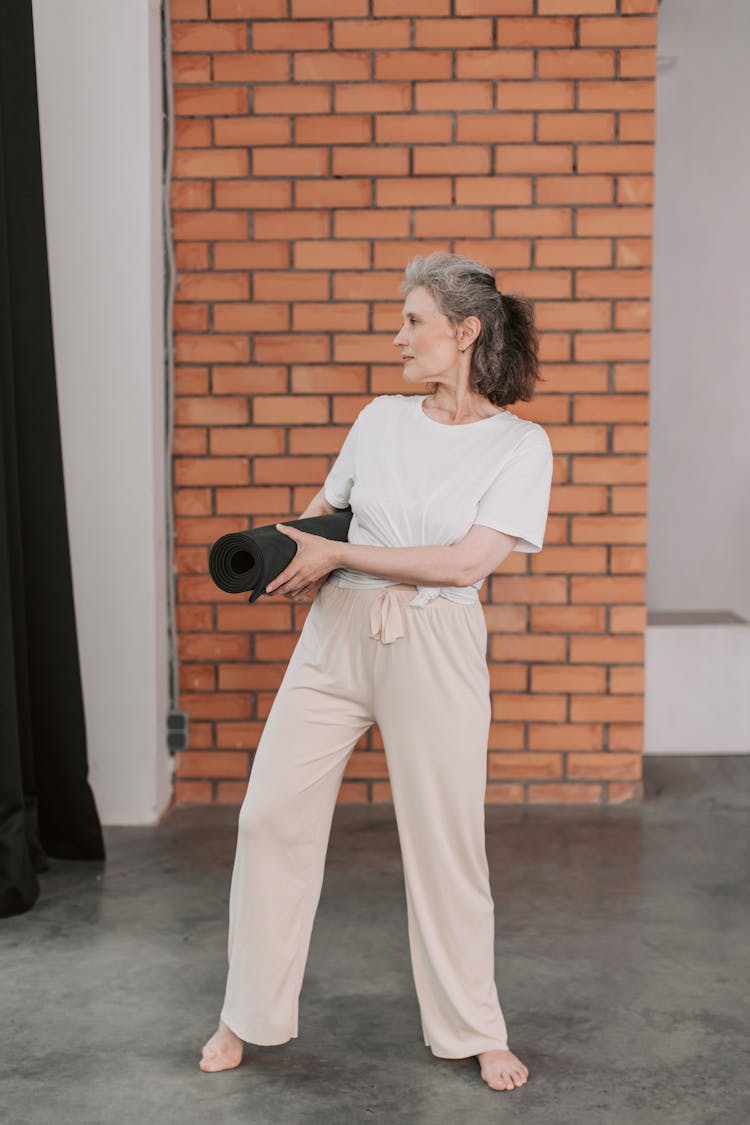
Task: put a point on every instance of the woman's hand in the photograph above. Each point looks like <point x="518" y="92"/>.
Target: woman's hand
<point x="314" y="560"/>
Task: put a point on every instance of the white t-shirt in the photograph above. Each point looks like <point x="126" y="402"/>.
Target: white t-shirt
<point x="415" y="482"/>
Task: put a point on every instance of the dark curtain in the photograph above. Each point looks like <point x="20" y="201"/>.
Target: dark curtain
<point x="46" y="806"/>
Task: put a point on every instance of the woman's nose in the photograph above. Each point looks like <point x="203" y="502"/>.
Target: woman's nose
<point x="397" y="339"/>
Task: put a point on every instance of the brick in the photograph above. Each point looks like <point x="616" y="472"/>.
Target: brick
<point x="251" y="255"/>
<point x="328" y="129"/>
<point x="637" y="127"/>
<point x="510" y="127"/>
<point x="254" y="194"/>
<point x="369" y="348"/>
<point x="189" y="440"/>
<point x="187" y="69"/>
<point x="213" y="287"/>
<point x="411" y="7"/>
<point x="635" y="189"/>
<point x="370" y="161"/>
<point x="576" y="63"/>
<point x="637" y="62"/>
<point x="456" y="96"/>
<point x="366" y="286"/>
<point x="209" y="224"/>
<point x="192" y="134"/>
<point x="375" y="224"/>
<point x="411" y="192"/>
<point x="253" y="67"/>
<point x="615" y="158"/>
<point x="340" y="254"/>
<point x="612" y="346"/>
<point x="436" y="223"/>
<point x="575" y="189"/>
<point x="473" y="32"/>
<point x="537" y="284"/>
<point x="495" y="64"/>
<point x="533" y="221"/>
<point x="292" y="286"/>
<point x="434" y="160"/>
<point x="333" y="193"/>
<point x="620" y="31"/>
<point x="200" y="102"/>
<point x="247" y="9"/>
<point x="633" y="252"/>
<point x="576" y="7"/>
<point x="576" y="127"/>
<point x="292" y="99"/>
<point x="533" y="158"/>
<point x="629" y="94"/>
<point x="248" y="380"/>
<point x="285" y="349"/>
<point x="197" y="162"/>
<point x="203" y="36"/>
<point x="330" y="318"/>
<point x="537" y="32"/>
<point x="292" y="224"/>
<point x="614" y="221"/>
<point x="331" y="66"/>
<point x="310" y="379"/>
<point x="514" y="253"/>
<point x="372" y="97"/>
<point x="192" y="502"/>
<point x="283" y="410"/>
<point x="573" y="252"/>
<point x="191" y="255"/>
<point x="290" y="35"/>
<point x="416" y="129"/>
<point x="394" y="255"/>
<point x="534" y="95"/>
<point x="294" y="161"/>
<point x="252" y="131"/>
<point x="207" y="411"/>
<point x="252" y="316"/>
<point x="188" y="9"/>
<point x="190" y="195"/>
<point x="492" y="7"/>
<point x="573" y="316"/>
<point x="306" y="9"/>
<point x="613" y="283"/>
<point x="290" y="470"/>
<point x="250" y="440"/>
<point x="210" y="470"/>
<point x="211" y="349"/>
<point x="413" y="64"/>
<point x="501" y="191"/>
<point x="371" y="33"/>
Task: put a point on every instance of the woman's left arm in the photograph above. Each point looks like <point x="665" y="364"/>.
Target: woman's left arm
<point x="475" y="556"/>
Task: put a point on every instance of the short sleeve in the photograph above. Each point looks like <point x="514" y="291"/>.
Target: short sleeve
<point x="517" y="501"/>
<point x="338" y="484"/>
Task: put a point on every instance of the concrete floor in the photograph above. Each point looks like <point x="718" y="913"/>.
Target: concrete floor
<point x="623" y="961"/>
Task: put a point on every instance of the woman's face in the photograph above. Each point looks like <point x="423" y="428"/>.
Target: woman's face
<point x="428" y="341"/>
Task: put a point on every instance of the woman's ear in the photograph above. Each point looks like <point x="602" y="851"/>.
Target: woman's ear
<point x="468" y="330"/>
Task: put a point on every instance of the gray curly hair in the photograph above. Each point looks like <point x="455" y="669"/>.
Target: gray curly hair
<point x="505" y="356"/>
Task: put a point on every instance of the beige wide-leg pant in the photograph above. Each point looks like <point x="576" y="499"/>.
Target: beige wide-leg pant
<point x="420" y="672"/>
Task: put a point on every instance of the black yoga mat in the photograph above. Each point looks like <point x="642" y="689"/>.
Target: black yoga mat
<point x="249" y="560"/>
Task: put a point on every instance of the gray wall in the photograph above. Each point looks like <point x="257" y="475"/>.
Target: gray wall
<point x="699" y="489"/>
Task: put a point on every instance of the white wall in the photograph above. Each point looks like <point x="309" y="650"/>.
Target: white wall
<point x="98" y="74"/>
<point x="699" y="491"/>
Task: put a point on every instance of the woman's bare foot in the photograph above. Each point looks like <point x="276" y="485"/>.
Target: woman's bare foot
<point x="222" y="1051"/>
<point x="502" y="1070"/>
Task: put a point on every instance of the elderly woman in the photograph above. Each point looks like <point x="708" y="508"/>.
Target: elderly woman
<point x="442" y="487"/>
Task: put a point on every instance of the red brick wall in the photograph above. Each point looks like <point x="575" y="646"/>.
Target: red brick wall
<point x="320" y="144"/>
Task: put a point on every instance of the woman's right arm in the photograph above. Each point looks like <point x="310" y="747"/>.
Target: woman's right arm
<point x="318" y="506"/>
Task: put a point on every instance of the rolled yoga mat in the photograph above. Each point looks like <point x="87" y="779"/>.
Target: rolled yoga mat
<point x="249" y="560"/>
